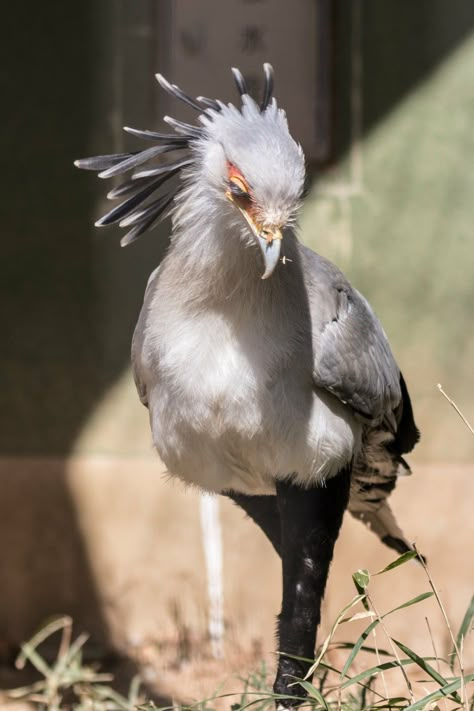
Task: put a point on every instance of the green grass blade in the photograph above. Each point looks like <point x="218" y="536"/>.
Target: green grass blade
<point x="404" y="558"/>
<point x="463" y="630"/>
<point x="358" y="616"/>
<point x="357" y="646"/>
<point x="325" y="645"/>
<point x="423" y="664"/>
<point x="329" y="667"/>
<point x="444" y="691"/>
<point x="413" y="601"/>
<point x="314" y="693"/>
<point x="69" y="658"/>
<point x="361" y="580"/>
<point x="55" y="625"/>
<point x="364" y="648"/>
<point x="30" y="690"/>
<point x="373" y="671"/>
<point x="29" y="653"/>
<point x="394" y="702"/>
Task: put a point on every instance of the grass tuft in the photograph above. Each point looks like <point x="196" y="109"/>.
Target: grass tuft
<point x="69" y="684"/>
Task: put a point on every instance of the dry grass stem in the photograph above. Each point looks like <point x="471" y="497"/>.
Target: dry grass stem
<point x="379" y="662"/>
<point x="392" y="647"/>
<point x="449" y="628"/>
<point x="453" y="404"/>
<point x="435" y="654"/>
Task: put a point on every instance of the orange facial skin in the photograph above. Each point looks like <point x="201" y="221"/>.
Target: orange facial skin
<point x="244" y="200"/>
<point x="240" y="194"/>
<point x="235" y="176"/>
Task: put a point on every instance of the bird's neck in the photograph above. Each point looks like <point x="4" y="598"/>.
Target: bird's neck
<point x="213" y="254"/>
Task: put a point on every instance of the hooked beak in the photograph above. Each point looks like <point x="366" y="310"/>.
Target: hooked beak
<point x="270" y="244"/>
<point x="268" y="238"/>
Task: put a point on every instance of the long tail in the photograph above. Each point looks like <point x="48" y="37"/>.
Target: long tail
<point x="374" y="477"/>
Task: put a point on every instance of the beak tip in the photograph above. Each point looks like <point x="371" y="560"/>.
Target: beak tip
<point x="271" y="255"/>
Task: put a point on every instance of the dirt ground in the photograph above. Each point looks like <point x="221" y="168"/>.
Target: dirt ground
<point x="144" y="549"/>
<point x="145" y="552"/>
<point x="432" y="513"/>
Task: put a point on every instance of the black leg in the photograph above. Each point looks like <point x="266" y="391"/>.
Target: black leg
<point x="310" y="523"/>
<point x="264" y="511"/>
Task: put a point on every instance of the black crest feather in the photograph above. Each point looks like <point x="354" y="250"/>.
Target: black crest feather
<point x="151" y="219"/>
<point x="143" y="206"/>
<point x="267" y="87"/>
<point x="170" y="138"/>
<point x="240" y="82"/>
<point x="175" y="91"/>
<point x="209" y="103"/>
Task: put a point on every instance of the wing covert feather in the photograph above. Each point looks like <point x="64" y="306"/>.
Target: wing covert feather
<point x="138" y="341"/>
<point x="351" y="355"/>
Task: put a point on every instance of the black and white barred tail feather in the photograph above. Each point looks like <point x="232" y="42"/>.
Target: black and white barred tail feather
<point x="145" y="205"/>
<point x="374" y="477"/>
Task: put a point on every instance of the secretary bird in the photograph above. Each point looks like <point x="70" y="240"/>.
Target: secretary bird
<point x="267" y="376"/>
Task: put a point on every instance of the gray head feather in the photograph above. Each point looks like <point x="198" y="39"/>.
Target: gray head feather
<point x="260" y="146"/>
<point x="255" y="139"/>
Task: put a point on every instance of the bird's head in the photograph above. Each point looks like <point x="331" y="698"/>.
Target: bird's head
<point x="245" y="160"/>
<point x="250" y="159"/>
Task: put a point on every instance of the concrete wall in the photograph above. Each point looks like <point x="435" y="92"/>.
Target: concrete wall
<point x="396" y="212"/>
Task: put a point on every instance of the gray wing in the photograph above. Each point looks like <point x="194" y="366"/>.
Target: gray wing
<point x="351" y="355"/>
<point x="138" y="338"/>
<point x="352" y="359"/>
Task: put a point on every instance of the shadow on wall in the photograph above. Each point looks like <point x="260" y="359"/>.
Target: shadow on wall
<point x="53" y="364"/>
<point x="69" y="295"/>
<point x="402" y="44"/>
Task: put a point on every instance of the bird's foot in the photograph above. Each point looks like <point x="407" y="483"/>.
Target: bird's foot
<point x="286" y="684"/>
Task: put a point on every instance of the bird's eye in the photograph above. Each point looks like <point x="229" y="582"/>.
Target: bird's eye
<point x="238" y="188"/>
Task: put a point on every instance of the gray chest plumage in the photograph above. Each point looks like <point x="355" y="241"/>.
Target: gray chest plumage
<point x="231" y="399"/>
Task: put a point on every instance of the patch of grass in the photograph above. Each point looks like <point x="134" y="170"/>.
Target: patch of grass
<point x="69" y="684"/>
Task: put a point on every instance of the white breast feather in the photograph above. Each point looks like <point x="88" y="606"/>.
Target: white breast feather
<point x="219" y="421"/>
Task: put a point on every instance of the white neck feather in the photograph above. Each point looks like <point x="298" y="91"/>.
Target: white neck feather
<point x="215" y="257"/>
